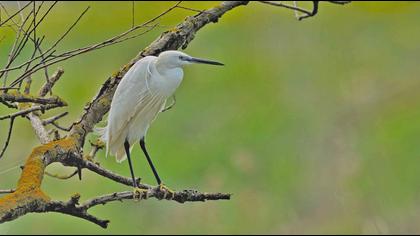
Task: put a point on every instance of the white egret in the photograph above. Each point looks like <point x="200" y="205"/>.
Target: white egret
<point x="139" y="98"/>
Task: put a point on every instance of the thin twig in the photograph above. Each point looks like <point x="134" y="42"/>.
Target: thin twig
<point x="50" y="59"/>
<point x="7" y="191"/>
<point x="29" y="110"/>
<point x="54" y="123"/>
<point x="280" y="4"/>
<point x="9" y="105"/>
<point x="190" y="9"/>
<point x="14" y="14"/>
<point x="9" y="135"/>
<point x="307" y="13"/>
<point x="132" y="14"/>
<point x="28" y="34"/>
<point x="109" y="174"/>
<point x="54" y="118"/>
<point x="47" y="87"/>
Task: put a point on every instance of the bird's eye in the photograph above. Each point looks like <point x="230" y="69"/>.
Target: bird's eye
<point x="181" y="58"/>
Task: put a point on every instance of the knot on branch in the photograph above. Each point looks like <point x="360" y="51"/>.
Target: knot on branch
<point x="74" y="200"/>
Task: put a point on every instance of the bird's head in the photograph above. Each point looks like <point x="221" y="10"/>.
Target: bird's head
<point x="172" y="59"/>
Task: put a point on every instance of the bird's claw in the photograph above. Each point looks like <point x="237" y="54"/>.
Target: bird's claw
<point x="139" y="194"/>
<point x="166" y="190"/>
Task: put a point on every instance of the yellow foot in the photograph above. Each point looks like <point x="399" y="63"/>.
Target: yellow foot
<point x="140" y="193"/>
<point x="166" y="191"/>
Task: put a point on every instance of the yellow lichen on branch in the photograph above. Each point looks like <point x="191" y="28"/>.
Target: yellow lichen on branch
<point x="29" y="185"/>
<point x="28" y="191"/>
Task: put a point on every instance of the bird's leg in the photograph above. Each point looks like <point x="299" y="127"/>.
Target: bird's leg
<point x="162" y="187"/>
<point x="172" y="104"/>
<point x="137" y="192"/>
<point x="143" y="147"/>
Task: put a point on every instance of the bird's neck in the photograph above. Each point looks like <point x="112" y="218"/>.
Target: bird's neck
<point x="165" y="68"/>
<point x="169" y="79"/>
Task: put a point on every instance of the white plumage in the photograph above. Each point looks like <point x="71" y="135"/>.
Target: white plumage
<point x="140" y="96"/>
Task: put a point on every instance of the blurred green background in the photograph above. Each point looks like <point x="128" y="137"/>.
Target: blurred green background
<point x="313" y="125"/>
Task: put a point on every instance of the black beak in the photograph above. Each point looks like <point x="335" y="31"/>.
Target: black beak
<point x="204" y="61"/>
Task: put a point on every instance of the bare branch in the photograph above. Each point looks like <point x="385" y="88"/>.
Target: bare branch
<point x="306" y="13"/>
<point x="189" y="9"/>
<point x="72" y="207"/>
<point x="280" y="4"/>
<point x="156" y="192"/>
<point x="132" y="14"/>
<point x="16" y="50"/>
<point x="9" y="135"/>
<point x="106" y="173"/>
<point x="8" y="88"/>
<point x="41" y="108"/>
<point x="47" y="87"/>
<point x="50" y="59"/>
<point x="14" y="14"/>
<point x="54" y="123"/>
<point x="7" y="191"/>
<point x="54" y="118"/>
<point x="9" y="105"/>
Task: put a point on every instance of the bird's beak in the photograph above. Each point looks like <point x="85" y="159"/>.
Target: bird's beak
<point x="204" y="61"/>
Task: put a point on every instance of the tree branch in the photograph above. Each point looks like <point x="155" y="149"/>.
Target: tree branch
<point x="47" y="87"/>
<point x="7" y="191"/>
<point x="18" y="97"/>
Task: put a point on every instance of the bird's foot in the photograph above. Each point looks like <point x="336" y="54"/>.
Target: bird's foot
<point x="166" y="191"/>
<point x="140" y="193"/>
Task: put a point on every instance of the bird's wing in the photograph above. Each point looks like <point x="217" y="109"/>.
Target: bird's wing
<point x="132" y="93"/>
